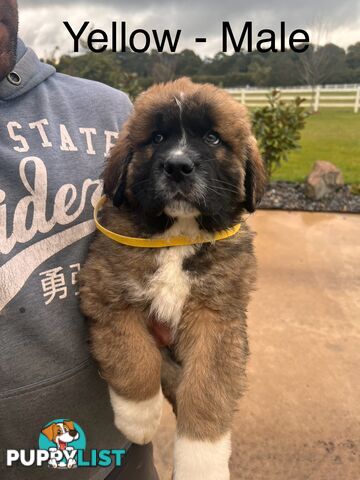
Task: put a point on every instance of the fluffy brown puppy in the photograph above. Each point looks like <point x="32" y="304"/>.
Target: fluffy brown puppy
<point x="185" y="162"/>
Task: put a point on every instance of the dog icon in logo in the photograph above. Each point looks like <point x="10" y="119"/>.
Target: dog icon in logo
<point x="61" y="434"/>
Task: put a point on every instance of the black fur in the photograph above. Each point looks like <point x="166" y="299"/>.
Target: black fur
<point x="119" y="195"/>
<point x="250" y="202"/>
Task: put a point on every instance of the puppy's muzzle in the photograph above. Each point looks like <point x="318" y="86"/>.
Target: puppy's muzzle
<point x="178" y="167"/>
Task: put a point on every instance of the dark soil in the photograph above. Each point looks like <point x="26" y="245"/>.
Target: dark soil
<point x="291" y="196"/>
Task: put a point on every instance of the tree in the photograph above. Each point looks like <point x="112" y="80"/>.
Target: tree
<point x="260" y="73"/>
<point x="136" y="71"/>
<point x="164" y="67"/>
<point x="188" y="63"/>
<point x="283" y="67"/>
<point x="353" y="56"/>
<point x="104" y="67"/>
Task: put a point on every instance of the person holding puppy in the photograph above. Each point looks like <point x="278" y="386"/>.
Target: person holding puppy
<point x="55" y="131"/>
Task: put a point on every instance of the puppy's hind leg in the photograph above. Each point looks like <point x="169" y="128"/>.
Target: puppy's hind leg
<point x="130" y="362"/>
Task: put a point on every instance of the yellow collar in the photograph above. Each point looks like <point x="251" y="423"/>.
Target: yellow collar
<point x="158" y="242"/>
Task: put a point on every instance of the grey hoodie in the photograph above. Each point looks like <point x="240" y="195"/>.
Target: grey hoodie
<point x="54" y="134"/>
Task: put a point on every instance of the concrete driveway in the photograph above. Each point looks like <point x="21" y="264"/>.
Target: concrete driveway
<point x="300" y="419"/>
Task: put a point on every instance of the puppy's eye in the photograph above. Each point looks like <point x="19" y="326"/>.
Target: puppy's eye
<point x="158" y="138"/>
<point x="212" y="138"/>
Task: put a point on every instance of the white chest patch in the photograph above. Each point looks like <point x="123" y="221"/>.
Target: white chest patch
<point x="170" y="286"/>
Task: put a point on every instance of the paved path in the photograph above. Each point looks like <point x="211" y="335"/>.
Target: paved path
<point x="300" y="419"/>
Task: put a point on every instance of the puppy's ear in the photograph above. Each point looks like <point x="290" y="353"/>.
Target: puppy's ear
<point x="255" y="176"/>
<point x="50" y="432"/>
<point x="114" y="174"/>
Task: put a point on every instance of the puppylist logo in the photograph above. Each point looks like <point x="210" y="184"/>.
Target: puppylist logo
<point x="62" y="444"/>
<point x="62" y="439"/>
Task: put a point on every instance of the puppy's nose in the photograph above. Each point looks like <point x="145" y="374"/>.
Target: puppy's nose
<point x="73" y="433"/>
<point x="178" y="167"/>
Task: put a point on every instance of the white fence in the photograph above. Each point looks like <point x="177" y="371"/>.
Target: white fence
<point x="316" y="98"/>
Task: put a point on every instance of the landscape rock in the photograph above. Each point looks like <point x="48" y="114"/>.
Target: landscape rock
<point x="291" y="196"/>
<point x="322" y="179"/>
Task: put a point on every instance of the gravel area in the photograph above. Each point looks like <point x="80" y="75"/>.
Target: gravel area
<point x="291" y="196"/>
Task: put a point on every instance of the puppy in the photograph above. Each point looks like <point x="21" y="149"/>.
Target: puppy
<point x="185" y="163"/>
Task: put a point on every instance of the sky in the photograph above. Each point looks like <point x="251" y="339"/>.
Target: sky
<point x="41" y="21"/>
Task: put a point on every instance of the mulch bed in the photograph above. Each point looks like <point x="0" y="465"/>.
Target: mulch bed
<point x="291" y="196"/>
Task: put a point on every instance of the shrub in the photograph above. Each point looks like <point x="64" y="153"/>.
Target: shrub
<point x="277" y="128"/>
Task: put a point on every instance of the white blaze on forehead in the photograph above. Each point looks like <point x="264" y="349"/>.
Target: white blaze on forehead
<point x="178" y="103"/>
<point x="182" y="142"/>
<point x="178" y="151"/>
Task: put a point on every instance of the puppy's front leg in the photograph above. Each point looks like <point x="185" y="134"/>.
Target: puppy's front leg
<point x="130" y="362"/>
<point x="213" y="352"/>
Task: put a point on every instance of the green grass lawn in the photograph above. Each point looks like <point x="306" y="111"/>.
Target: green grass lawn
<point x="332" y="135"/>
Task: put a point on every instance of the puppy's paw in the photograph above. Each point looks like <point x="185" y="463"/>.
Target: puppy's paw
<point x="138" y="421"/>
<point x="202" y="460"/>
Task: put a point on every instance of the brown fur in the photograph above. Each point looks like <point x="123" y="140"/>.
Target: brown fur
<point x="203" y="371"/>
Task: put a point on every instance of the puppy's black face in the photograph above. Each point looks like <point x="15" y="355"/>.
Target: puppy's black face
<point x="187" y="150"/>
<point x="185" y="167"/>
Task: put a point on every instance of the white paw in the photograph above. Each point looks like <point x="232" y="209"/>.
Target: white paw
<point x="138" y="421"/>
<point x="202" y="460"/>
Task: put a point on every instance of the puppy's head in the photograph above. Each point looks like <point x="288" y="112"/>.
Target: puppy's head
<point x="187" y="150"/>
